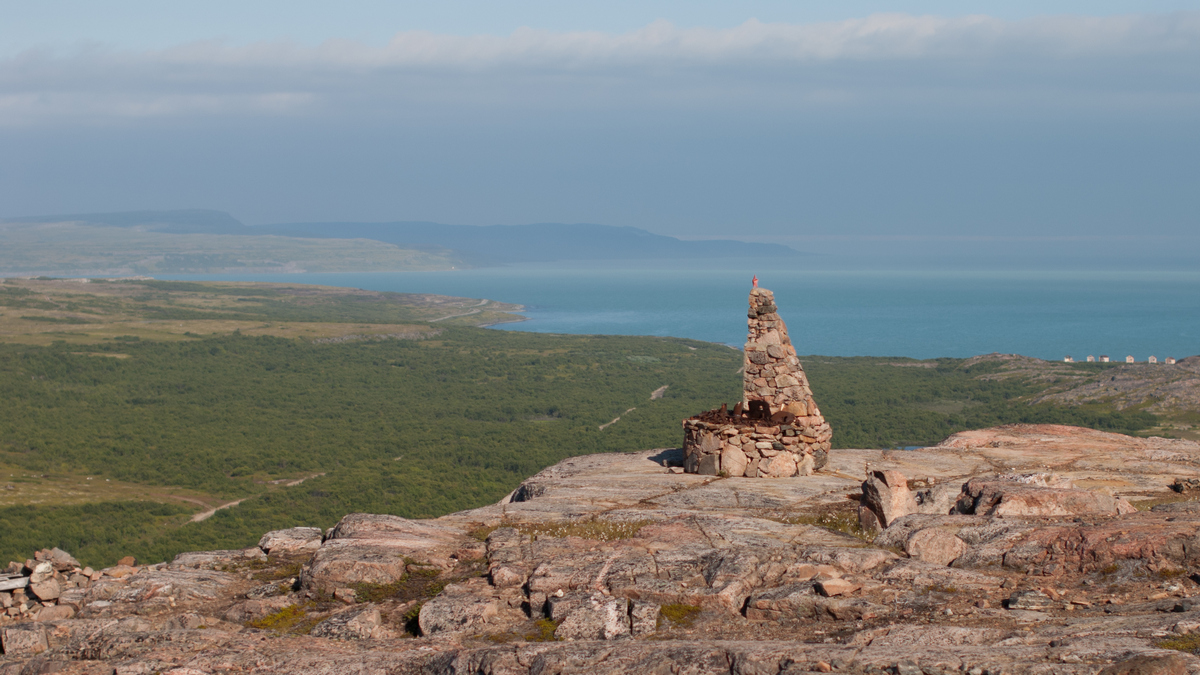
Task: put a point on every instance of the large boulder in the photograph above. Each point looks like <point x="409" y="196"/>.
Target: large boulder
<point x="598" y="617"/>
<point x="23" y="640"/>
<point x="292" y="541"/>
<point x="355" y="624"/>
<point x="42" y="571"/>
<point x="49" y="589"/>
<point x="458" y="607"/>
<point x="885" y="498"/>
<point x="935" y="545"/>
<point x="60" y="559"/>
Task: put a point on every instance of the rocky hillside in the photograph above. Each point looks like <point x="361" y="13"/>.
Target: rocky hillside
<point x="1020" y="549"/>
<point x="1160" y="388"/>
<point x="1163" y="388"/>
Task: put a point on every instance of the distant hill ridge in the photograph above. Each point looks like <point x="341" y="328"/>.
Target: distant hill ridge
<point x="182" y="221"/>
<point x="475" y="244"/>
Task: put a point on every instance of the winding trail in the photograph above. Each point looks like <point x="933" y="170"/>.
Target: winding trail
<point x="453" y="316"/>
<point x="616" y="419"/>
<point x="654" y="396"/>
<point x="205" y="515"/>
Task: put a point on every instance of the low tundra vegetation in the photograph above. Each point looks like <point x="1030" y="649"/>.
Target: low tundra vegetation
<point x="545" y="631"/>
<point x="276" y="570"/>
<point x="598" y="530"/>
<point x="680" y="615"/>
<point x="291" y="619"/>
<point x="1183" y="643"/>
<point x="843" y="521"/>
<point x="418" y="583"/>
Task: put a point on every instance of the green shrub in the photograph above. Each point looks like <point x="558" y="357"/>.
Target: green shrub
<point x="600" y="530"/>
<point x="283" y="621"/>
<point x="845" y="522"/>
<point x="1183" y="643"/>
<point x="680" y="615"/>
<point x="419" y="583"/>
<point x="545" y="631"/>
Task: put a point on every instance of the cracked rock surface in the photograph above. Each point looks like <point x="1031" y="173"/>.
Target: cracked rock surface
<point x="614" y="564"/>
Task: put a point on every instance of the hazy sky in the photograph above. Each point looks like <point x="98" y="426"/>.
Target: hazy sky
<point x="944" y="120"/>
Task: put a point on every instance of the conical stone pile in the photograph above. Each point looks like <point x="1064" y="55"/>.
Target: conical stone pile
<point x="777" y="429"/>
<point x="773" y="373"/>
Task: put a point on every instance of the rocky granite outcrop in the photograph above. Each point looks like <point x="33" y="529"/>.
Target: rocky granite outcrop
<point x="616" y="564"/>
<point x="1022" y="495"/>
<point x="292" y="541"/>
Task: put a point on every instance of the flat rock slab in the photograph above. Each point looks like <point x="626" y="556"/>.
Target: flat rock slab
<point x="582" y="487"/>
<point x="210" y="559"/>
<point x="376" y="549"/>
<point x="181" y="586"/>
<point x="1082" y="454"/>
<point x="757" y="494"/>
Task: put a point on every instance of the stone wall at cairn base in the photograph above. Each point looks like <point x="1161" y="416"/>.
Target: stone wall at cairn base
<point x="740" y="448"/>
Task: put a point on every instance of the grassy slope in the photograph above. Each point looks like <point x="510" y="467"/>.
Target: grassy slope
<point x="416" y="428"/>
<point x="34" y="311"/>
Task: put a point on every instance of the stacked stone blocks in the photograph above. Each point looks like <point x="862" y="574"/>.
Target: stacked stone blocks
<point x="777" y="430"/>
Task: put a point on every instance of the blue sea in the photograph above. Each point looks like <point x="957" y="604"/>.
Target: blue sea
<point x="920" y="314"/>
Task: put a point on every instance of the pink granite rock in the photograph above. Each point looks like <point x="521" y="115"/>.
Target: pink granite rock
<point x="886" y="495"/>
<point x="935" y="545"/>
<point x="1006" y="496"/>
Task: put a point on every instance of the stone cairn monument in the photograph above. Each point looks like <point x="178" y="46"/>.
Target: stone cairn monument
<point x="776" y="431"/>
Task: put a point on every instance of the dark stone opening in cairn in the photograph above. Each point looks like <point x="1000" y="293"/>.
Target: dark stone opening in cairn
<point x="776" y="431"/>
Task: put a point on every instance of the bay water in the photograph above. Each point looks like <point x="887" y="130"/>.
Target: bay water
<point x="919" y="314"/>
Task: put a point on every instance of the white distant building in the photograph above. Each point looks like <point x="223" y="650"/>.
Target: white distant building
<point x="1128" y="359"/>
<point x="1170" y="361"/>
<point x="1068" y="359"/>
<point x="1091" y="359"/>
<point x="1152" y="359"/>
<point x="1104" y="358"/>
